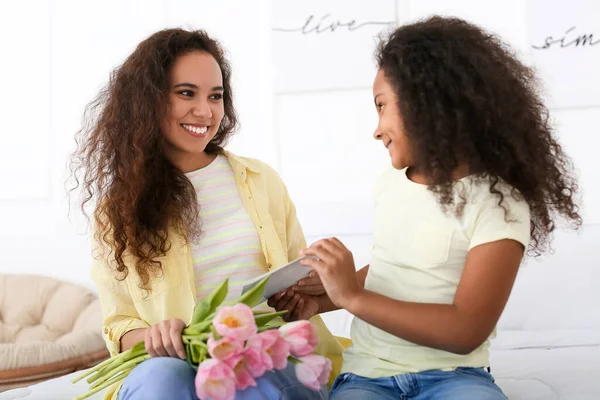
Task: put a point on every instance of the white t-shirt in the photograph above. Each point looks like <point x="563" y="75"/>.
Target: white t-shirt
<point x="229" y="245"/>
<point x="419" y="253"/>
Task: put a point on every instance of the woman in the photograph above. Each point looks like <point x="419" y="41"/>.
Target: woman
<point x="176" y="214"/>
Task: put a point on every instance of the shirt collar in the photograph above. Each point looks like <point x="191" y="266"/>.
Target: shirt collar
<point x="247" y="163"/>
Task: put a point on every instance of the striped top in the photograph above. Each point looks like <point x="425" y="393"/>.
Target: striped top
<point x="229" y="245"/>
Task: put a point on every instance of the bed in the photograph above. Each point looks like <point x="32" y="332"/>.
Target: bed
<point x="571" y="373"/>
<point x="548" y="342"/>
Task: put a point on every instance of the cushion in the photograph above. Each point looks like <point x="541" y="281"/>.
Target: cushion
<point x="48" y="328"/>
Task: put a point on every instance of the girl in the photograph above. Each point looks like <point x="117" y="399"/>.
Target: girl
<point x="176" y="213"/>
<point x="477" y="178"/>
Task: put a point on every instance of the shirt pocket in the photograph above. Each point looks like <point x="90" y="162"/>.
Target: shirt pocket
<point x="430" y="245"/>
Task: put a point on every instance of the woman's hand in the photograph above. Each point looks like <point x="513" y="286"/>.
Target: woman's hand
<point x="335" y="266"/>
<point x="310" y="285"/>
<point x="164" y="339"/>
<point x="298" y="306"/>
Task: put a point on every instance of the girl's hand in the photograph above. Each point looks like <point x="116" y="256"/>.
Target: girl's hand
<point x="335" y="267"/>
<point x="164" y="339"/>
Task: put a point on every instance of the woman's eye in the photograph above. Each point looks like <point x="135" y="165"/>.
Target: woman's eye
<point x="187" y="93"/>
<point x="217" y="96"/>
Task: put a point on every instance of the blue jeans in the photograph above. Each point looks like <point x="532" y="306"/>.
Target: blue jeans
<point x="164" y="378"/>
<point x="461" y="384"/>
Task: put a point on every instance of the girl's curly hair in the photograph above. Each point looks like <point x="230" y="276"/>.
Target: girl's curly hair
<point x="120" y="162"/>
<point x="465" y="98"/>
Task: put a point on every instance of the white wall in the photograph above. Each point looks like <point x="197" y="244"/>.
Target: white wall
<point x="55" y="57"/>
<point x="555" y="292"/>
<point x="305" y="104"/>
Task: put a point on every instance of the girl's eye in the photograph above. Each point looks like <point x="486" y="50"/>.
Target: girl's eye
<point x="380" y="106"/>
<point x="186" y="93"/>
<point x="217" y="96"/>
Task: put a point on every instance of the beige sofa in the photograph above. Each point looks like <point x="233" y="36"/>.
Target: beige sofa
<point x="48" y="328"/>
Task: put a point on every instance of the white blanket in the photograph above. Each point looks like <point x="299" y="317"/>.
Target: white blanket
<point x="566" y="373"/>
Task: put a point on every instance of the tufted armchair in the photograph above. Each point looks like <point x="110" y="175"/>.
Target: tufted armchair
<point x="48" y="328"/>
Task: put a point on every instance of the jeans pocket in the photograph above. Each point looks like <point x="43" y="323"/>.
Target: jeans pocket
<point x="340" y="380"/>
<point x="476" y="373"/>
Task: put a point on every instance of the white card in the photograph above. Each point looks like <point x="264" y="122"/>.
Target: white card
<point x="281" y="278"/>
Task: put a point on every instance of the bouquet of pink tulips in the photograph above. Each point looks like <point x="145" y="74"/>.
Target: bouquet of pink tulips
<point x="230" y="346"/>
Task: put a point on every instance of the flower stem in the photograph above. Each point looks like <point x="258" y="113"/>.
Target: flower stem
<point x="123" y="358"/>
<point x="128" y="365"/>
<point x="106" y="384"/>
<point x="97" y="368"/>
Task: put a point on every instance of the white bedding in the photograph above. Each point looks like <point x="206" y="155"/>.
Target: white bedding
<point x="54" y="389"/>
<point x="566" y="373"/>
<point x="548" y="374"/>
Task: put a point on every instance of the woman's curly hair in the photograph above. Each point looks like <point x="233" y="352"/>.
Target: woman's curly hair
<point x="120" y="160"/>
<point x="465" y="98"/>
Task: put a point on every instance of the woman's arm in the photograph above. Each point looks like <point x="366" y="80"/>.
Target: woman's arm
<point x="460" y="327"/>
<point x="132" y="337"/>
<point x="123" y="327"/>
<point x="119" y="312"/>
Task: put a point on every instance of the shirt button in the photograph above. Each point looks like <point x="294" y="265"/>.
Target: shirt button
<point x="106" y="330"/>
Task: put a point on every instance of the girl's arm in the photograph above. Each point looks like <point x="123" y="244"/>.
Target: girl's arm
<point x="325" y="303"/>
<point x="460" y="327"/>
<point x="303" y="306"/>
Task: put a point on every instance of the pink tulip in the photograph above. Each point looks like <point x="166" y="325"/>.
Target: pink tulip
<point x="236" y="322"/>
<point x="257" y="357"/>
<point x="242" y="369"/>
<point x="224" y="348"/>
<point x="276" y="348"/>
<point x="313" y="371"/>
<point x="302" y="337"/>
<point x="215" y="380"/>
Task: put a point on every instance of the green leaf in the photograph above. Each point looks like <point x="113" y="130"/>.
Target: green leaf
<point x="215" y="334"/>
<point x="202" y="327"/>
<point x="195" y="330"/>
<point x="273" y="324"/>
<point x="294" y="360"/>
<point x="195" y="354"/>
<point x="209" y="303"/>
<point x="198" y="353"/>
<point x="202" y="354"/>
<point x="188" y="354"/>
<point x="263" y="319"/>
<point x="268" y="328"/>
<point x="190" y="338"/>
<point x="199" y="344"/>
<point x="253" y="296"/>
<point x="139" y="346"/>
